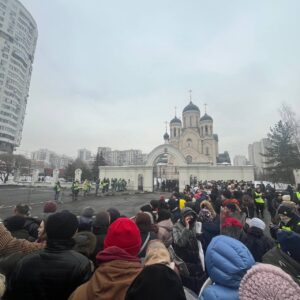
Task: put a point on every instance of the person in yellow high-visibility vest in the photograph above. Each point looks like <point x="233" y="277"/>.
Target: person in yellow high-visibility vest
<point x="259" y="202"/>
<point x="297" y="196"/>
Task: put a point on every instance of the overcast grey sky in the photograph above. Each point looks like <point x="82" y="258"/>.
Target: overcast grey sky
<point x="109" y="73"/>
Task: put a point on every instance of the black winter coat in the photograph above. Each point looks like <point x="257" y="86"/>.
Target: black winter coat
<point x="257" y="243"/>
<point x="209" y="231"/>
<point x="49" y="274"/>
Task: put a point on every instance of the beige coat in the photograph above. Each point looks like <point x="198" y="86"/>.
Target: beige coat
<point x="110" y="281"/>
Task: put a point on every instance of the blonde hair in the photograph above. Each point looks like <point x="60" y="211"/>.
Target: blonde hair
<point x="157" y="253"/>
<point x="209" y="206"/>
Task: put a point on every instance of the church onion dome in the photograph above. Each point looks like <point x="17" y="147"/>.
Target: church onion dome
<point x="166" y="136"/>
<point x="216" y="137"/>
<point x="206" y="117"/>
<point x="175" y="120"/>
<point x="191" y="107"/>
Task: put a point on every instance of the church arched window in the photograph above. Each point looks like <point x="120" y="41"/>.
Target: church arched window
<point x="206" y="130"/>
<point x="189" y="142"/>
<point x="191" y="121"/>
<point x="174" y="130"/>
<point x="189" y="159"/>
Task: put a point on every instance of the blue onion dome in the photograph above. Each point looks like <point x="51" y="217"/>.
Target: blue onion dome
<point x="191" y="107"/>
<point x="175" y="120"/>
<point x="166" y="136"/>
<point x="206" y="117"/>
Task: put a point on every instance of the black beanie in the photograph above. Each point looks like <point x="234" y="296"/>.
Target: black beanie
<point x="61" y="226"/>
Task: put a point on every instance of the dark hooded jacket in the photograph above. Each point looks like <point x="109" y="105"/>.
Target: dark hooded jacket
<point x="157" y="282"/>
<point x="52" y="273"/>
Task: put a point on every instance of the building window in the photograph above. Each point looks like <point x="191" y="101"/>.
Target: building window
<point x="206" y="130"/>
<point x="174" y="130"/>
<point x="189" y="159"/>
<point x="189" y="143"/>
<point x="191" y="121"/>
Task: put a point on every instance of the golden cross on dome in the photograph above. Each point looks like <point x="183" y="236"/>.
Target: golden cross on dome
<point x="166" y="126"/>
<point x="190" y="91"/>
<point x="205" y="107"/>
<point x="175" y="110"/>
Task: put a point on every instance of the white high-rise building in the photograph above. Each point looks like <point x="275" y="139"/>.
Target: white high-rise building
<point x="84" y="155"/>
<point x="240" y="160"/>
<point x="256" y="158"/>
<point x="18" y="37"/>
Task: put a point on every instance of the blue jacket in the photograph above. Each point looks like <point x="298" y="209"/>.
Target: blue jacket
<point x="227" y="261"/>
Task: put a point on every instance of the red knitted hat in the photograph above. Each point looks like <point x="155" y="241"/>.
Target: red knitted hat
<point x="231" y="222"/>
<point x="124" y="233"/>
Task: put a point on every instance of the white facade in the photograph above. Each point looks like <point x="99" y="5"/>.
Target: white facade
<point x="84" y="155"/>
<point x="18" y="37"/>
<point x="133" y="174"/>
<point x="240" y="160"/>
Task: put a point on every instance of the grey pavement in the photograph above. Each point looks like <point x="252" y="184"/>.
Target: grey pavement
<point x="128" y="203"/>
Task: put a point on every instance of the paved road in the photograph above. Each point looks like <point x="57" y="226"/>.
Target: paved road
<point x="127" y="203"/>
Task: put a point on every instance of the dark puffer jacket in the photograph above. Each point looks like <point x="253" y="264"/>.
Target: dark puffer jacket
<point x="257" y="243"/>
<point x="52" y="273"/>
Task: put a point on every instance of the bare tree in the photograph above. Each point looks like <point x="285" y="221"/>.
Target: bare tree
<point x="289" y="116"/>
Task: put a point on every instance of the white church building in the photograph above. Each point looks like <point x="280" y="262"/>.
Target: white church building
<point x="189" y="151"/>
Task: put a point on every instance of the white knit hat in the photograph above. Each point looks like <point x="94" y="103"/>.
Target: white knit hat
<point x="286" y="198"/>
<point x="256" y="222"/>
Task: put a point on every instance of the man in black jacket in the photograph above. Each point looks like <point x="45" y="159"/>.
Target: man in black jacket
<point x="56" y="271"/>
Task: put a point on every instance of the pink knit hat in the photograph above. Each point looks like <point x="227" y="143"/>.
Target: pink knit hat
<point x="267" y="282"/>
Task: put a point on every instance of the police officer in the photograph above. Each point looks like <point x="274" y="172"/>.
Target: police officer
<point x="259" y="202"/>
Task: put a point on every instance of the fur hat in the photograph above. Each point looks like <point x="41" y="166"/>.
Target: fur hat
<point x="61" y="226"/>
<point x="267" y="282"/>
<point x="258" y="223"/>
<point x="157" y="253"/>
<point x="124" y="233"/>
<point x="286" y="198"/>
<point x="50" y="207"/>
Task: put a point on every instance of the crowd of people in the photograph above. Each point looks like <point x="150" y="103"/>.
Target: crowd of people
<point x="209" y="242"/>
